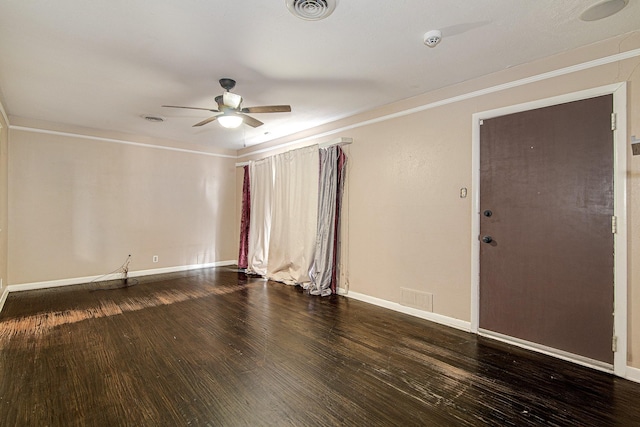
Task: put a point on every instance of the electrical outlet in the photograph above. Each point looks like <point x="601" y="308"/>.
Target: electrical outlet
<point x="155" y="258"/>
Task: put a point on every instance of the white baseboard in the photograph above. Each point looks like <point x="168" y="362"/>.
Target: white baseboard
<point x="181" y="268"/>
<point x="427" y="315"/>
<point x="549" y="351"/>
<point x="3" y="297"/>
<point x="633" y="374"/>
<point x="81" y="280"/>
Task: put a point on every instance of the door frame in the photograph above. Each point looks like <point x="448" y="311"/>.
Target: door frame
<point x="619" y="92"/>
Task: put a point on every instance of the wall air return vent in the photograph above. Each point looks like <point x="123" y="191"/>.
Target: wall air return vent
<point x="311" y="10"/>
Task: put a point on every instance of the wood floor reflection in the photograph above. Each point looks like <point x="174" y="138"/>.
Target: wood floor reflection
<point x="214" y="347"/>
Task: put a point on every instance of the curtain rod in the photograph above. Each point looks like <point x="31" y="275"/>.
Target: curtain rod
<point x="336" y="141"/>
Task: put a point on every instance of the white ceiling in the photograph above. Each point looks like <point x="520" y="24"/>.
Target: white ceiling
<point x="105" y="64"/>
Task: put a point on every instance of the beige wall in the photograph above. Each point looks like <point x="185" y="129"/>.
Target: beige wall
<point x="78" y="206"/>
<point x="407" y="225"/>
<point x="4" y="191"/>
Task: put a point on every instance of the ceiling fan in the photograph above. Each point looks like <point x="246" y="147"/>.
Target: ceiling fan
<point x="232" y="114"/>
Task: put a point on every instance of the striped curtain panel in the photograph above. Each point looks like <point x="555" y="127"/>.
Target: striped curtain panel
<point x="325" y="265"/>
<point x="295" y="200"/>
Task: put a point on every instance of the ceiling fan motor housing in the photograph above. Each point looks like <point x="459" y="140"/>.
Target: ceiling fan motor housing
<point x="227" y="84"/>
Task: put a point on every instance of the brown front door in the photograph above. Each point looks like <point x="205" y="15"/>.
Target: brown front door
<point x="546" y="204"/>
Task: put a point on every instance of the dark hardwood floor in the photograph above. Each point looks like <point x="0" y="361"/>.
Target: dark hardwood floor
<point x="216" y="348"/>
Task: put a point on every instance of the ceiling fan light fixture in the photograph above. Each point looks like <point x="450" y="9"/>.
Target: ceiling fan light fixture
<point x="311" y="10"/>
<point x="231" y="100"/>
<point x="230" y="121"/>
<point x="603" y="9"/>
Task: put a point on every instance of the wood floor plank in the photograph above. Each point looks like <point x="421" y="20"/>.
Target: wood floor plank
<point x="214" y="347"/>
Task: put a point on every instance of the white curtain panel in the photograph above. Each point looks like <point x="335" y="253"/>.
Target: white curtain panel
<point x="261" y="173"/>
<point x="294" y="216"/>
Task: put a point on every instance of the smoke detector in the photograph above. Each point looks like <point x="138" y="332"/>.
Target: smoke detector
<point x="311" y="10"/>
<point x="432" y="38"/>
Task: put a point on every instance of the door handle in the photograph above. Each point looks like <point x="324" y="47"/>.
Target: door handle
<point x="487" y="239"/>
<point x="487" y="213"/>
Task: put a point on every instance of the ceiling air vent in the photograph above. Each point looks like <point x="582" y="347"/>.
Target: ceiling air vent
<point x="154" y="119"/>
<point x="311" y="10"/>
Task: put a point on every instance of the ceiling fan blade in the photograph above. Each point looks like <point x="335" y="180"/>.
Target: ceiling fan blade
<point x="192" y="108"/>
<point x="204" y="122"/>
<point x="251" y="121"/>
<point x="268" y="109"/>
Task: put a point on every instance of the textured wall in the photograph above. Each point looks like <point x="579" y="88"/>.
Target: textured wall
<point x="79" y="206"/>
<point x="4" y="191"/>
